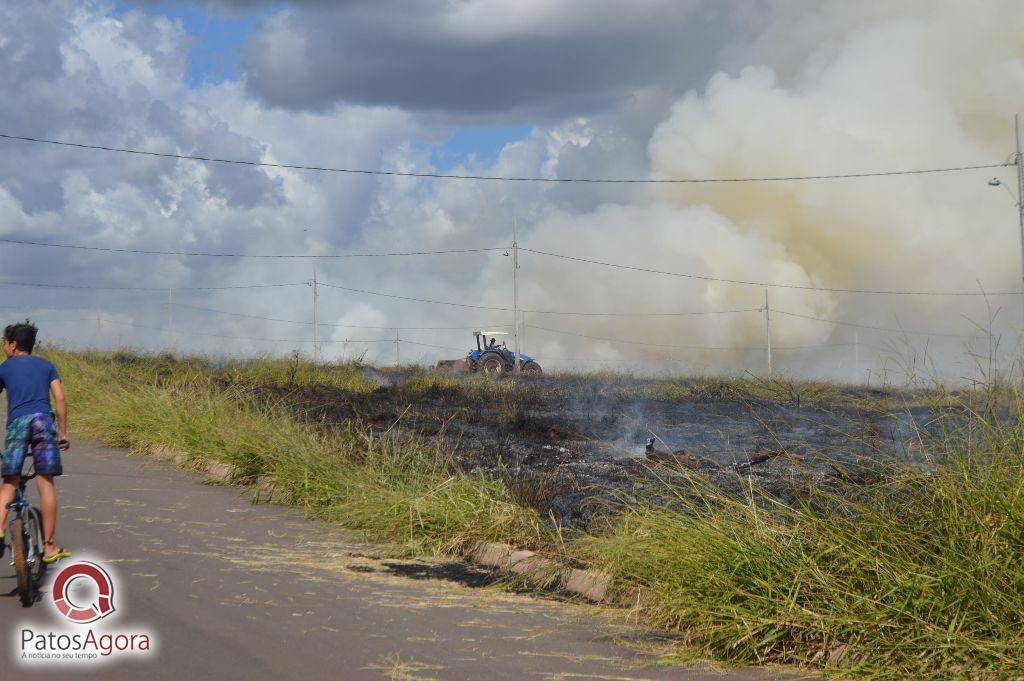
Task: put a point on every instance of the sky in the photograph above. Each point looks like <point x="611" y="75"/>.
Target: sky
<point x="551" y="89"/>
<point x="217" y="40"/>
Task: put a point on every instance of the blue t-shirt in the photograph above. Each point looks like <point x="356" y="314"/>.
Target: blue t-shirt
<point x="27" y="380"/>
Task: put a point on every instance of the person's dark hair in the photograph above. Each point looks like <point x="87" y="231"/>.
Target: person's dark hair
<point x="23" y="335"/>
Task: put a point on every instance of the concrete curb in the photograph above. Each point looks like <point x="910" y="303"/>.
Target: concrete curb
<point x="529" y="565"/>
<point x="537" y="569"/>
<point x="221" y="472"/>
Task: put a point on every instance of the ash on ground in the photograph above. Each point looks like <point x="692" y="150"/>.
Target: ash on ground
<point x="576" y="447"/>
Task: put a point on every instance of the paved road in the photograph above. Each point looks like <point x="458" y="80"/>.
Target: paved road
<point x="239" y="591"/>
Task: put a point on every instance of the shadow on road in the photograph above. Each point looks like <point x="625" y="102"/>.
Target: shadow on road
<point x="460" y="573"/>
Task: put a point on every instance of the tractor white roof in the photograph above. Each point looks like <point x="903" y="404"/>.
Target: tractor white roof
<point x="494" y="333"/>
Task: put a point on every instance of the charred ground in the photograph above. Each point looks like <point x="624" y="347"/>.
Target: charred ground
<point x="573" y="447"/>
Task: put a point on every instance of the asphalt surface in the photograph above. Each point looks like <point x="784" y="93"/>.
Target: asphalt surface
<point x="232" y="590"/>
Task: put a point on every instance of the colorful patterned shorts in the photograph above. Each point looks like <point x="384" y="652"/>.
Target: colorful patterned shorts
<point x="38" y="433"/>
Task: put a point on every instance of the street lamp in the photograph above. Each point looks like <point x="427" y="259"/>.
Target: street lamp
<point x="996" y="182"/>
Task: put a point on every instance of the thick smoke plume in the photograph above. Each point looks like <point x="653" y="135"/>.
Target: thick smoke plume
<point x="897" y="88"/>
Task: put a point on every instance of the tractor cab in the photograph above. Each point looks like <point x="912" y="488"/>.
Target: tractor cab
<point x="488" y="340"/>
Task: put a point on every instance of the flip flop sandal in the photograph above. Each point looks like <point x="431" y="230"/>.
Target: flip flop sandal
<point x="61" y="553"/>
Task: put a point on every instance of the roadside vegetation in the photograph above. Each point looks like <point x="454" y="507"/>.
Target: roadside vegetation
<point x="914" y="575"/>
<point x="392" y="489"/>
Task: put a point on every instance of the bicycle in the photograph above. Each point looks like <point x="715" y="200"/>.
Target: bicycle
<point x="25" y="539"/>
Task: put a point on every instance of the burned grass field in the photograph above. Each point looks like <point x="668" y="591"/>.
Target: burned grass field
<point x="578" y="447"/>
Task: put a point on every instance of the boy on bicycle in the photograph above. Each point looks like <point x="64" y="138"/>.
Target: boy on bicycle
<point x="29" y="381"/>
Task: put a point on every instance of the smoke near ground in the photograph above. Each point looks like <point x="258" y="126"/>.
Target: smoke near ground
<point x="784" y="89"/>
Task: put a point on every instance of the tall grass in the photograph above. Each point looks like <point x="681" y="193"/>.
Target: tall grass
<point x="921" y="576"/>
<point x="392" y="490"/>
<point x="296" y="371"/>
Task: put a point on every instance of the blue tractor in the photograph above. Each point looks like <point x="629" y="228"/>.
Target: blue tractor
<point x="494" y="359"/>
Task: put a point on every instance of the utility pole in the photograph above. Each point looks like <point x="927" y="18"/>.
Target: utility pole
<point x="856" y="355"/>
<point x="515" y="288"/>
<point x="398" y="356"/>
<point x="316" y="325"/>
<point x="1019" y="162"/>
<point x="768" y="330"/>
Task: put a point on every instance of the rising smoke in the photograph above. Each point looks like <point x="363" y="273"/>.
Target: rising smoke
<point x="888" y="87"/>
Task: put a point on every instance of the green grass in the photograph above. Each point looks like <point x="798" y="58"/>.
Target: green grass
<point x="295" y="371"/>
<point x="917" y="577"/>
<point x="804" y="393"/>
<point x="391" y="490"/>
<point x="473" y="386"/>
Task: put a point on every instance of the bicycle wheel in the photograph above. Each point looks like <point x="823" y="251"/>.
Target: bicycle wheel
<point x="19" y="546"/>
<point x="34" y="532"/>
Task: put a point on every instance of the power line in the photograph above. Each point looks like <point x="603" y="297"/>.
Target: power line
<point x="242" y="315"/>
<point x="385" y="295"/>
<point x="51" y="308"/>
<point x="686" y="275"/>
<point x="675" y="347"/>
<point x="641" y="314"/>
<point x="430" y="345"/>
<point x="416" y="300"/>
<point x="340" y="326"/>
<point x="203" y="254"/>
<point x="456" y="304"/>
<point x="356" y="326"/>
<point x="178" y="332"/>
<point x="181" y="332"/>
<point x="594" y="360"/>
<point x="545" y="358"/>
<point x="134" y="325"/>
<point x="541" y="312"/>
<point x="22" y="242"/>
<point x="874" y="328"/>
<point x="498" y="178"/>
<point x="150" y="288"/>
<point x="764" y="284"/>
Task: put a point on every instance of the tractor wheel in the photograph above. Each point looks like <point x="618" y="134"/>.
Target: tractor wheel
<point x="492" y="365"/>
<point x="531" y="369"/>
